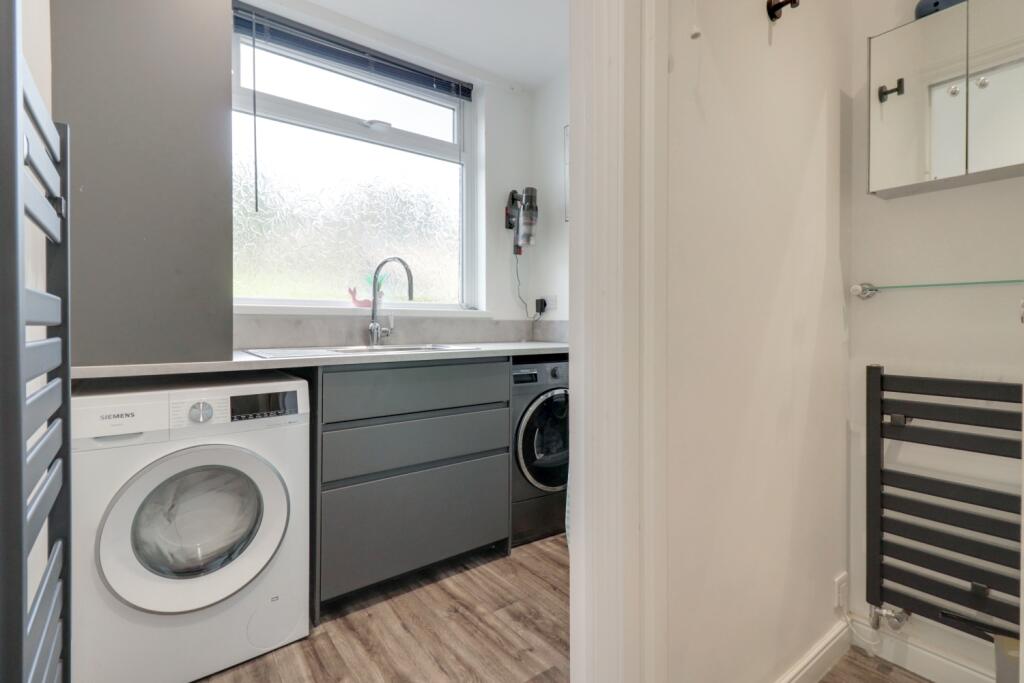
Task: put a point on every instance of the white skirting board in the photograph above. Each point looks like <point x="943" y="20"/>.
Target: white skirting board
<point x="919" y="657"/>
<point x="822" y="656"/>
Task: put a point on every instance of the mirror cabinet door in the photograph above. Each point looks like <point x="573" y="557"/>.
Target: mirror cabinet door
<point x="996" y="84"/>
<point x="919" y="101"/>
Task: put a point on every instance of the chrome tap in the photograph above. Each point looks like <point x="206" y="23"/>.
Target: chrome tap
<point x="377" y="331"/>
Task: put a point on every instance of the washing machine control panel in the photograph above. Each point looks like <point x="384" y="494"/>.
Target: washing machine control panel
<point x="199" y="411"/>
<point x="541" y="374"/>
<point x="258" y="406"/>
<point x="194" y="411"/>
<point x="528" y="376"/>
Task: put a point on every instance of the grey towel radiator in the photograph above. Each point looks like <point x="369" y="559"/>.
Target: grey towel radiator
<point x="35" y="432"/>
<point x="904" y="509"/>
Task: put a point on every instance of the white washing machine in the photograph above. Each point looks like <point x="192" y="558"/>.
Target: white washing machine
<point x="189" y="527"/>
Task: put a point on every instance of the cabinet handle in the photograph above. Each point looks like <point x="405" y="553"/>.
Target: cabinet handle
<point x="884" y="92"/>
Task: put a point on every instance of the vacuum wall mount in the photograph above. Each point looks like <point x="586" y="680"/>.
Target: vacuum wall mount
<point x="775" y="7"/>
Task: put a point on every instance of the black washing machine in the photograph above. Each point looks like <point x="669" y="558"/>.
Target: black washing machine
<point x="540" y="446"/>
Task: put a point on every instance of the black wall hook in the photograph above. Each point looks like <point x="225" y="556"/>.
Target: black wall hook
<point x="884" y="92"/>
<point x="775" y="8"/>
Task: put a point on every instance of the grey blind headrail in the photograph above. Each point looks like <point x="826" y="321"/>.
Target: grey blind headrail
<point x="35" y="425"/>
<point x="283" y="32"/>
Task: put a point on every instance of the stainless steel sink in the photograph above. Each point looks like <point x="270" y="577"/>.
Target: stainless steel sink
<point x="320" y="352"/>
<point x="290" y="353"/>
<point x="398" y="348"/>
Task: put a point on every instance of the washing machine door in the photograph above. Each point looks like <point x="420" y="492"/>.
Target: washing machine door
<point x="192" y="528"/>
<point x="542" y="443"/>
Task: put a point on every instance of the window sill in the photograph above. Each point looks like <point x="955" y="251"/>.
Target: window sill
<point x="326" y="309"/>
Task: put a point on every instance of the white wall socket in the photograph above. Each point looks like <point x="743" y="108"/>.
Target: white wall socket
<point x="552" y="302"/>
<point x="841" y="600"/>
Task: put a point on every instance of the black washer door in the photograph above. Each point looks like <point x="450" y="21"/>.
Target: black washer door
<point x="543" y="443"/>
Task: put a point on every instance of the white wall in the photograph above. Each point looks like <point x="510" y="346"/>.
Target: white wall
<point x="971" y="233"/>
<point x="35" y="23"/>
<point x="757" y="476"/>
<point x="509" y="155"/>
<point x="36" y="50"/>
<point x="546" y="264"/>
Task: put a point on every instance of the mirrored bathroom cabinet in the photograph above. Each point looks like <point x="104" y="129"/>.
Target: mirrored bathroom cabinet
<point x="947" y="99"/>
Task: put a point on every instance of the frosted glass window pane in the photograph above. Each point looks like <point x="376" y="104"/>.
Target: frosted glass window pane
<point x="331" y="208"/>
<point x="302" y="82"/>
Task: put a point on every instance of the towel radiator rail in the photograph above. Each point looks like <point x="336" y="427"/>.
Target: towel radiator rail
<point x="35" y="396"/>
<point x="910" y="536"/>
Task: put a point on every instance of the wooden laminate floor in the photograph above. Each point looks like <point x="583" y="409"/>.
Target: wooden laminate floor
<point x="482" y="617"/>
<point x="859" y="667"/>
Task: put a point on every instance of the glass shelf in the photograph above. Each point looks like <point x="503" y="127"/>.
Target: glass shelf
<point x="866" y="290"/>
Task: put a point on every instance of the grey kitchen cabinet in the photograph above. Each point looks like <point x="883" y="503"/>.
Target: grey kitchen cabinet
<point x="365" y="450"/>
<point x="386" y="527"/>
<point x="413" y="468"/>
<point x="145" y="88"/>
<point x="380" y="391"/>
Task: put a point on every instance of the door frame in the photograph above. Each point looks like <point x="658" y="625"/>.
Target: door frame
<point x="618" y="273"/>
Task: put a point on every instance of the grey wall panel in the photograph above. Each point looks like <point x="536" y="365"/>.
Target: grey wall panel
<point x="145" y="86"/>
<point x="380" y="392"/>
<point x="384" y="528"/>
<point x="361" y="451"/>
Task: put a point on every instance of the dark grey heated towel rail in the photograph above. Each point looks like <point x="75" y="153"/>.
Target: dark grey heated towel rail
<point x="35" y="431"/>
<point x="894" y="403"/>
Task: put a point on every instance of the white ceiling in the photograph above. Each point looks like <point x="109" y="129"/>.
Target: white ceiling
<point x="521" y="40"/>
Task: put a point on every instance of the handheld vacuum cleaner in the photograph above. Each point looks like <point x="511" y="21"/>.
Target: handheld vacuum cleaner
<point x="521" y="217"/>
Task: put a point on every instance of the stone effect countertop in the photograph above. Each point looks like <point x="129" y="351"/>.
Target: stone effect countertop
<point x="246" y="361"/>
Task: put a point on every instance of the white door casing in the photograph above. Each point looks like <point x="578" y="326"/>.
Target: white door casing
<point x="618" y="271"/>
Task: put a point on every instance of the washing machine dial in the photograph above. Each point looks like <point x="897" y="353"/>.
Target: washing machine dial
<point x="556" y="373"/>
<point x="200" y="412"/>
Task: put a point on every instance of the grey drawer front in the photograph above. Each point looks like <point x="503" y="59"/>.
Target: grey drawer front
<point x="360" y="451"/>
<point x="380" y="529"/>
<point x="380" y="392"/>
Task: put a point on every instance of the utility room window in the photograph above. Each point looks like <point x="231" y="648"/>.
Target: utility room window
<point x="343" y="157"/>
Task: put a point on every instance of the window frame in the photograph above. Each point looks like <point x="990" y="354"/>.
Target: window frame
<point x="462" y="152"/>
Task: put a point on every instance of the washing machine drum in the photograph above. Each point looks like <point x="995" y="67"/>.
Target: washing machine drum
<point x="542" y="445"/>
<point x="192" y="528"/>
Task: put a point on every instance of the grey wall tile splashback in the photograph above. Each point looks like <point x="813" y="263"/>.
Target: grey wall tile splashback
<point x="551" y="331"/>
<point x="261" y="331"/>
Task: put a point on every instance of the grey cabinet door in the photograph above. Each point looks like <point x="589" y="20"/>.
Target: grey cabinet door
<point x="384" y="391"/>
<point x="380" y="529"/>
<point x="145" y="88"/>
<point x="361" y="451"/>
